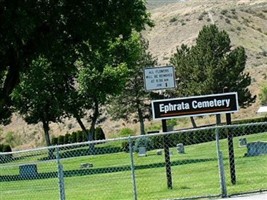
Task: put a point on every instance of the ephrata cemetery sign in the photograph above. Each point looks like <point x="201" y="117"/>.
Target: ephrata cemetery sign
<point x="193" y="106"/>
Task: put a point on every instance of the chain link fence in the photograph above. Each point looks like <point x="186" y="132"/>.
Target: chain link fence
<point x="172" y="165"/>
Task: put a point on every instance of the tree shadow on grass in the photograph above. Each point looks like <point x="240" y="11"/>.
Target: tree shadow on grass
<point x="104" y="170"/>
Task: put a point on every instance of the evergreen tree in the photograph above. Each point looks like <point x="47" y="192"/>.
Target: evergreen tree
<point x="211" y="65"/>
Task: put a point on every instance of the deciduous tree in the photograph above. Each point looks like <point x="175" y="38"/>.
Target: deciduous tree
<point x="57" y="30"/>
<point x="41" y="93"/>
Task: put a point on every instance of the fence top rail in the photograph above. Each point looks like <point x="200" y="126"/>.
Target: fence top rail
<point x="129" y="138"/>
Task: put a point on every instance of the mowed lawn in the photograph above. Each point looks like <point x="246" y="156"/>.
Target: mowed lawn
<point x="194" y="173"/>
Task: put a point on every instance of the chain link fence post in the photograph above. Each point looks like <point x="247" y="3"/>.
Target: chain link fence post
<point x="60" y="176"/>
<point x="221" y="166"/>
<point x="220" y="158"/>
<point x="132" y="167"/>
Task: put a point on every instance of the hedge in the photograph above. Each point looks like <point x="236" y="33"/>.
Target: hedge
<point x="78" y="136"/>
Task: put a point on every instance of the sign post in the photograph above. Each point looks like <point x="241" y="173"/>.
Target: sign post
<point x="230" y="147"/>
<point x="201" y="105"/>
<point x="159" y="78"/>
<point x="167" y="155"/>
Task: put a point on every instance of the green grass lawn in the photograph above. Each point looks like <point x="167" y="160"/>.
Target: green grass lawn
<point x="194" y="173"/>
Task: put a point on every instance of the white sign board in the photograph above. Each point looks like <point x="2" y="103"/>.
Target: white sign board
<point x="158" y="78"/>
<point x="262" y="109"/>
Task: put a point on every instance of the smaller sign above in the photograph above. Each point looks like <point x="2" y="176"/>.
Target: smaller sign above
<point x="194" y="106"/>
<point x="159" y="78"/>
<point x="262" y="109"/>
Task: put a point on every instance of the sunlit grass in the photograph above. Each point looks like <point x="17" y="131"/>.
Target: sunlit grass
<point x="194" y="173"/>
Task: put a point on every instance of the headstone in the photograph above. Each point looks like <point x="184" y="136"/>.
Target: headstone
<point x="256" y="148"/>
<point x="86" y="165"/>
<point x="159" y="152"/>
<point x="242" y="142"/>
<point x="142" y="151"/>
<point x="180" y="148"/>
<point x="28" y="171"/>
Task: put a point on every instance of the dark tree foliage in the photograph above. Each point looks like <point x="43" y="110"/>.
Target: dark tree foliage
<point x="211" y="65"/>
<point x="56" y="30"/>
<point x="134" y="101"/>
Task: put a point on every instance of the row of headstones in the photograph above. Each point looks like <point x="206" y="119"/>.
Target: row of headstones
<point x="253" y="148"/>
<point x="180" y="149"/>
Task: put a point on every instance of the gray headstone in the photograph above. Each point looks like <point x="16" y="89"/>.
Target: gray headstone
<point x="28" y="170"/>
<point x="142" y="151"/>
<point x="242" y="142"/>
<point x="86" y="165"/>
<point x="159" y="152"/>
<point x="256" y="148"/>
<point x="180" y="148"/>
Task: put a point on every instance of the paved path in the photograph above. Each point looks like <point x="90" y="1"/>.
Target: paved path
<point x="258" y="196"/>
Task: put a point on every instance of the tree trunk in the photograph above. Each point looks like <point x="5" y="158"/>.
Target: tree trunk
<point x="93" y="123"/>
<point x="12" y="77"/>
<point x="141" y="120"/>
<point x="46" y="132"/>
<point x="81" y="124"/>
<point x="47" y="139"/>
<point x="193" y="122"/>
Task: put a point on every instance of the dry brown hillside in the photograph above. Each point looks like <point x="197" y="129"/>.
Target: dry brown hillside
<point x="177" y="22"/>
<point x="245" y="21"/>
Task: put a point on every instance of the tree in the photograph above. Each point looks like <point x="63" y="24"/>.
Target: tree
<point x="134" y="99"/>
<point x="103" y="73"/>
<point x="211" y="65"/>
<point x="57" y="30"/>
<point x="41" y="93"/>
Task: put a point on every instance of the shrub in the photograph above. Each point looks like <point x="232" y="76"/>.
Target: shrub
<point x="154" y="127"/>
<point x="227" y="21"/>
<point x="80" y="137"/>
<point x="7" y="148"/>
<point x="143" y="142"/>
<point x="10" y="137"/>
<point x="174" y="19"/>
<point x="67" y="138"/>
<point x="1" y="147"/>
<point x="61" y="139"/>
<point x="73" y="137"/>
<point x="8" y="157"/>
<point x="172" y="122"/>
<point x="54" y="141"/>
<point x="125" y="132"/>
<point x="202" y="15"/>
<point x="223" y="12"/>
<point x="157" y="141"/>
<point x="125" y="146"/>
<point x="99" y="134"/>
